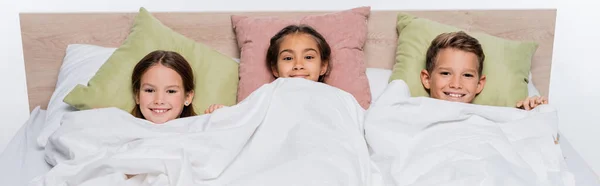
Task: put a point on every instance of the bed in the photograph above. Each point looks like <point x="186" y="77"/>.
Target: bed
<point x="46" y="37"/>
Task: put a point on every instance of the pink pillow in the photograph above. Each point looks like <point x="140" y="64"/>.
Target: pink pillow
<point x="345" y="32"/>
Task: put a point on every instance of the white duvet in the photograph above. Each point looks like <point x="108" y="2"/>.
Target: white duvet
<point x="298" y="132"/>
<point x="289" y="132"/>
<point x="425" y="141"/>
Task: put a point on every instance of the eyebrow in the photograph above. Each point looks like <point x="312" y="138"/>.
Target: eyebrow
<point x="173" y="86"/>
<point x="147" y="84"/>
<point x="450" y="69"/>
<point x="170" y="86"/>
<point x="291" y="51"/>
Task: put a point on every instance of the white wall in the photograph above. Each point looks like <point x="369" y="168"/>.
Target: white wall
<point x="14" y="107"/>
<point x="242" y="5"/>
<point x="574" y="83"/>
<point x="572" y="86"/>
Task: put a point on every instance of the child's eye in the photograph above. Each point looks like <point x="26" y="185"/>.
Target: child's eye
<point x="469" y="75"/>
<point x="149" y="90"/>
<point x="171" y="91"/>
<point x="287" y="58"/>
<point x="445" y="73"/>
<point x="309" y="57"/>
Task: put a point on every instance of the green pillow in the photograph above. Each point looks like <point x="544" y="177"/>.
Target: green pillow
<point x="216" y="75"/>
<point x="506" y="64"/>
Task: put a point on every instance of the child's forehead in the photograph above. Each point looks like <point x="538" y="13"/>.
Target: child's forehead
<point x="299" y="44"/>
<point x="160" y="72"/>
<point x="295" y="38"/>
<point x="456" y="64"/>
<point x="451" y="56"/>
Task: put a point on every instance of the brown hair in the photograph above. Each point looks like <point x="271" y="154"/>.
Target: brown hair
<point x="324" y="49"/>
<point x="171" y="60"/>
<point x="457" y="40"/>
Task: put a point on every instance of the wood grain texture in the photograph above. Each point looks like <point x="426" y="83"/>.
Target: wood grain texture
<point x="46" y="36"/>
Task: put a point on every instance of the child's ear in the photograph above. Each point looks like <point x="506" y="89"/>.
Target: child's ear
<point x="190" y="96"/>
<point x="137" y="98"/>
<point x="274" y="71"/>
<point x="425" y="78"/>
<point x="481" y="84"/>
<point x="324" y="67"/>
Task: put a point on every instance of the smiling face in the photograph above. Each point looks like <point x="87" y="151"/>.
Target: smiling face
<point x="299" y="57"/>
<point x="162" y="97"/>
<point x="454" y="77"/>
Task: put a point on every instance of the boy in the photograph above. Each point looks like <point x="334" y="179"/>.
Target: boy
<point x="453" y="70"/>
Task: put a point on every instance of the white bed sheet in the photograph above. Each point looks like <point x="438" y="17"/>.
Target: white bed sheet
<point x="22" y="160"/>
<point x="584" y="176"/>
<point x="582" y="172"/>
<point x="260" y="141"/>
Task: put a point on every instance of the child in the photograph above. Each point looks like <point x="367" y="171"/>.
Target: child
<point x="297" y="51"/>
<point x="453" y="70"/>
<point x="163" y="87"/>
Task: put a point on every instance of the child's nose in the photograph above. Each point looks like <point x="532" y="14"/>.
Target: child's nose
<point x="158" y="99"/>
<point x="455" y="82"/>
<point x="158" y="102"/>
<point x="298" y="65"/>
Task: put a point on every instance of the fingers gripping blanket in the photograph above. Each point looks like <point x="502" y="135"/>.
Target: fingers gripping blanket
<point x="289" y="132"/>
<point x="425" y="141"/>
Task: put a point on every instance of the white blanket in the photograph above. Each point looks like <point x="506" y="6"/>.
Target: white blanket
<point x="289" y="132"/>
<point x="425" y="141"/>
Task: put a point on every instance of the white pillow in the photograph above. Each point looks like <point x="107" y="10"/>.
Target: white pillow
<point x="378" y="80"/>
<point x="80" y="64"/>
<point x="531" y="89"/>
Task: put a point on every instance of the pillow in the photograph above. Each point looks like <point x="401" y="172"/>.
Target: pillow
<point x="531" y="90"/>
<point x="345" y="32"/>
<point x="79" y="65"/>
<point x="378" y="81"/>
<point x="506" y="65"/>
<point x="379" y="77"/>
<point x="216" y="75"/>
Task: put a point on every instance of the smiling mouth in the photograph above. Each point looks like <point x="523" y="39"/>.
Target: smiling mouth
<point x="455" y="95"/>
<point x="303" y="76"/>
<point x="159" y="111"/>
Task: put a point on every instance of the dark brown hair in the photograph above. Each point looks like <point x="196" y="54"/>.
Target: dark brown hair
<point x="324" y="49"/>
<point x="171" y="60"/>
<point x="457" y="40"/>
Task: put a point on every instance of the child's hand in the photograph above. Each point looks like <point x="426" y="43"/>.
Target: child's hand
<point x="532" y="102"/>
<point x="212" y="108"/>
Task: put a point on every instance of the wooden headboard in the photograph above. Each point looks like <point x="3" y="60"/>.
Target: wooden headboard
<point x="46" y="36"/>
